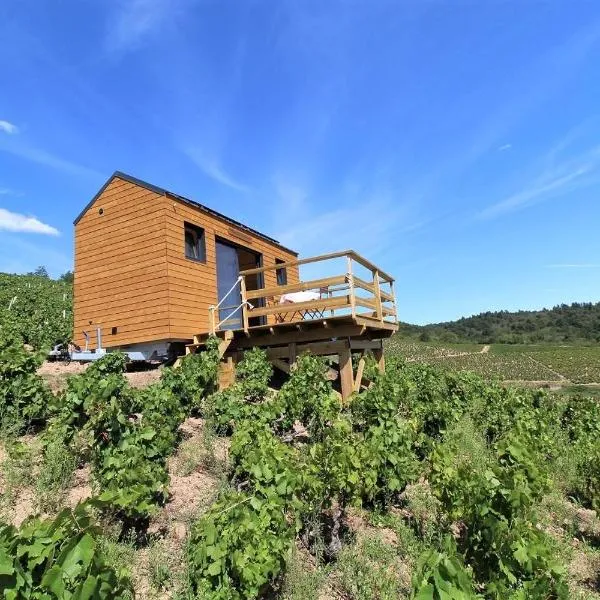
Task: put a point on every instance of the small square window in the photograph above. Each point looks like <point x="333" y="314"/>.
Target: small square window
<point x="281" y="273"/>
<point x="195" y="245"/>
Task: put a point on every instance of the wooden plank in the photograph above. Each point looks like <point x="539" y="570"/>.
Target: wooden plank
<point x="366" y="303"/>
<point x="359" y="374"/>
<point x="346" y="377"/>
<point x="336" y="302"/>
<point x="361" y="283"/>
<point x="296" y="287"/>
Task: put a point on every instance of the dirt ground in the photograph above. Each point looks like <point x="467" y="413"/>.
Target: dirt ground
<point x="55" y="373"/>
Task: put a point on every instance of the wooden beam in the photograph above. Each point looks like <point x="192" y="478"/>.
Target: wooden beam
<point x="318" y="334"/>
<point x="371" y="322"/>
<point x="303" y="286"/>
<point x="365" y="344"/>
<point x="359" y="374"/>
<point x="292" y="353"/>
<point x="316" y="348"/>
<point x="346" y="377"/>
<point x="280" y="364"/>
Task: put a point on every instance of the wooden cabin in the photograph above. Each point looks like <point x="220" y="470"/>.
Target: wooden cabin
<point x="158" y="273"/>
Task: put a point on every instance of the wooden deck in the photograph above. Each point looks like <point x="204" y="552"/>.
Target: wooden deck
<point x="351" y="312"/>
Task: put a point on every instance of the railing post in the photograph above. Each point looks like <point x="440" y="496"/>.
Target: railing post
<point x="244" y="303"/>
<point x="351" y="282"/>
<point x="211" y="310"/>
<point x="394" y="301"/>
<point x="377" y="290"/>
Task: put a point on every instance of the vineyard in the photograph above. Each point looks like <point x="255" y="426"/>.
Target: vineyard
<point x="427" y="484"/>
<point x="506" y="362"/>
<point x="36" y="309"/>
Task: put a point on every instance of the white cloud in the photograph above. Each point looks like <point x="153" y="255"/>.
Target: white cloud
<point x="504" y="147"/>
<point x="10" y="221"/>
<point x="8" y="127"/>
<point x="211" y="167"/>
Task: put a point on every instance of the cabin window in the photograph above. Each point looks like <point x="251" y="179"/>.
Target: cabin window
<point x="281" y="273"/>
<point x="195" y="244"/>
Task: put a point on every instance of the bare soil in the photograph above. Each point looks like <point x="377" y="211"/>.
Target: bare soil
<point x="56" y="373"/>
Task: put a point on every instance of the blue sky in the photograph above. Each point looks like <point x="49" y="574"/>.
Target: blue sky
<point x="456" y="144"/>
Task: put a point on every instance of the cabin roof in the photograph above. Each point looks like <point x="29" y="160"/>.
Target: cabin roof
<point x="164" y="192"/>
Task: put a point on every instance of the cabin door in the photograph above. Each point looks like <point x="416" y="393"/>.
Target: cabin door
<point x="228" y="271"/>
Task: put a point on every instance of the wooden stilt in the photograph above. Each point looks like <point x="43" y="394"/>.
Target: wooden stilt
<point x="292" y="353"/>
<point x="359" y="374"/>
<point x="346" y="376"/>
<point x="380" y="358"/>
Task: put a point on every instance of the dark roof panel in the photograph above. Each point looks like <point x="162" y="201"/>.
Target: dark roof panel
<point x="163" y="192"/>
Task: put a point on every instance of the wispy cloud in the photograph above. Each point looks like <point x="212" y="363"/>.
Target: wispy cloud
<point x="211" y="168"/>
<point x="8" y="127"/>
<point x="47" y="159"/>
<point x="504" y="147"/>
<point x="10" y="221"/>
<point x="135" y="21"/>
<point x="573" y="266"/>
<point x="555" y="180"/>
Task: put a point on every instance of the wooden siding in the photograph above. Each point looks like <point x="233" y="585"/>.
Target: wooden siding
<point x="193" y="285"/>
<point x="120" y="267"/>
<point x="131" y="271"/>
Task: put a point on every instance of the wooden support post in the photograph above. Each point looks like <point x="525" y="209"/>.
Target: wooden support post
<point x="380" y="358"/>
<point x="359" y="374"/>
<point x="351" y="282"/>
<point x="346" y="376"/>
<point x="292" y="353"/>
<point x="377" y="288"/>
<point x="244" y="303"/>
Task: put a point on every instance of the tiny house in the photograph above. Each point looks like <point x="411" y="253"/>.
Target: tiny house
<point x="149" y="263"/>
<point x="158" y="274"/>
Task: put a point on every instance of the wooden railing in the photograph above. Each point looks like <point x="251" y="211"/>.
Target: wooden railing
<point x="369" y="295"/>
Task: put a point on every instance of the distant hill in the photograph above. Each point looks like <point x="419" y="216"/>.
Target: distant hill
<point x="577" y="323"/>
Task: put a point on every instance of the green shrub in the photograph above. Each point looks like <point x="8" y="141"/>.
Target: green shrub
<point x="195" y="378"/>
<point x="25" y="399"/>
<point x="57" y="559"/>
<point x="239" y="547"/>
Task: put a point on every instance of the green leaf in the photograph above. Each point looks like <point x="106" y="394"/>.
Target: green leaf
<point x="53" y="580"/>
